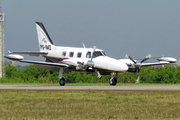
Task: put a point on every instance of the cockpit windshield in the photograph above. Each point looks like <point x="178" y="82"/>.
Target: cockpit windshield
<point x="99" y="53"/>
<point x="104" y="53"/>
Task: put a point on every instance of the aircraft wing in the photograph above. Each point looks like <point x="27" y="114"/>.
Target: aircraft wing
<point x="29" y="53"/>
<point x="46" y="64"/>
<point x="151" y="64"/>
<point x="38" y="64"/>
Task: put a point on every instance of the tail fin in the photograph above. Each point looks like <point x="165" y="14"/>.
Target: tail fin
<point x="45" y="42"/>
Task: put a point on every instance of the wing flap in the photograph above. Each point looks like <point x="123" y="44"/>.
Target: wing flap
<point x="48" y="64"/>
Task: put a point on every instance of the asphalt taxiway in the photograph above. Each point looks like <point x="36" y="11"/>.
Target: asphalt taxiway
<point x="91" y="88"/>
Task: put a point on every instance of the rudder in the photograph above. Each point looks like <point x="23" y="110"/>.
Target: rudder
<point x="45" y="42"/>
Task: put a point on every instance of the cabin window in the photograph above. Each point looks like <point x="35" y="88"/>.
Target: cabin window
<point x="79" y="54"/>
<point x="88" y="55"/>
<point x="64" y="54"/>
<point x="71" y="54"/>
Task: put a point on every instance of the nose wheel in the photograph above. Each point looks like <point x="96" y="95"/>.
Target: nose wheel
<point x="62" y="81"/>
<point x="113" y="81"/>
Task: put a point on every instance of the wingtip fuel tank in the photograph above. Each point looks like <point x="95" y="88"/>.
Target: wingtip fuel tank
<point x="168" y="59"/>
<point x="14" y="57"/>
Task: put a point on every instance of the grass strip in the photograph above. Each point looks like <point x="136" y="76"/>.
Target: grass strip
<point x="89" y="105"/>
<point x="118" y="84"/>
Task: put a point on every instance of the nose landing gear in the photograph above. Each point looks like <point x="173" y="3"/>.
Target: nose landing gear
<point x="113" y="79"/>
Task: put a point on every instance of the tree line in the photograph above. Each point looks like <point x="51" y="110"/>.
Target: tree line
<point x="30" y="74"/>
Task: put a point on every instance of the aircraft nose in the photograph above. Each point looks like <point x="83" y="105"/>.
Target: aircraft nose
<point x="121" y="67"/>
<point x="116" y="65"/>
<point x="111" y="64"/>
<point x="125" y="67"/>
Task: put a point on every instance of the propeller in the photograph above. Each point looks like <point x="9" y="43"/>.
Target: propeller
<point x="89" y="63"/>
<point x="138" y="64"/>
<point x="146" y="58"/>
<point x="94" y="48"/>
<point x="89" y="66"/>
<point x="129" y="57"/>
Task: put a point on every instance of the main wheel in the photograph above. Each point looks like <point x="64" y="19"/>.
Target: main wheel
<point x="113" y="81"/>
<point x="62" y="81"/>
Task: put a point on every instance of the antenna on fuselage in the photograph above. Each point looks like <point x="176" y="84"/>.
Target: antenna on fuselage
<point x="84" y="45"/>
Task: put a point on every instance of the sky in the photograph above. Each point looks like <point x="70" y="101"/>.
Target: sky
<point x="119" y="27"/>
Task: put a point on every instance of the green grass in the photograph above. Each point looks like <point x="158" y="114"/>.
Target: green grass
<point x="88" y="105"/>
<point x="118" y="84"/>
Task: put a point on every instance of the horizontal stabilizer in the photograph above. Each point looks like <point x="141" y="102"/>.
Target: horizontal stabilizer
<point x="29" y="53"/>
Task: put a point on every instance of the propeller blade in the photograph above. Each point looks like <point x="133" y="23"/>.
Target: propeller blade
<point x="146" y="58"/>
<point x="129" y="57"/>
<point x="93" y="52"/>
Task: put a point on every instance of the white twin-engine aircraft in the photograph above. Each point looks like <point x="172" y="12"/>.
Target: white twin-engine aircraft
<point x="91" y="60"/>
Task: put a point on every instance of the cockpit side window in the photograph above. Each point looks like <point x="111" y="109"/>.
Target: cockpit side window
<point x="104" y="53"/>
<point x="64" y="54"/>
<point x="88" y="55"/>
<point x="99" y="53"/>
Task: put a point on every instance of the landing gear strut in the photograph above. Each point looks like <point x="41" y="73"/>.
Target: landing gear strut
<point x="62" y="81"/>
<point x="137" y="72"/>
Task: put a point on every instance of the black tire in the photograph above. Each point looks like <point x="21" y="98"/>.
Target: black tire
<point x="62" y="82"/>
<point x="113" y="81"/>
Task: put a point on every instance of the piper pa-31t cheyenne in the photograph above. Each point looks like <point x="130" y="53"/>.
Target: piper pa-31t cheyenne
<point x="92" y="60"/>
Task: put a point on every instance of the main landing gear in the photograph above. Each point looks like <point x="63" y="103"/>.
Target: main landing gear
<point x="62" y="81"/>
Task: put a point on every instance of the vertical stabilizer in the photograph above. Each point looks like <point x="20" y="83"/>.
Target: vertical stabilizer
<point x="45" y="42"/>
